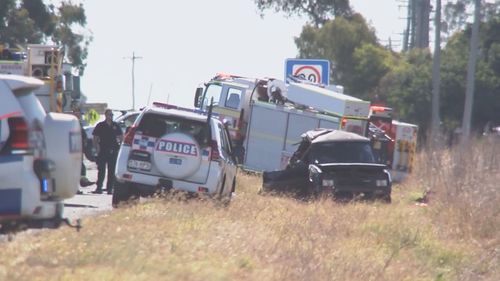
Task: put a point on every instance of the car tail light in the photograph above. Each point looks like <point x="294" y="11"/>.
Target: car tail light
<point x="129" y="136"/>
<point x="343" y="123"/>
<point x="215" y="155"/>
<point x="19" y="135"/>
<point x="202" y="189"/>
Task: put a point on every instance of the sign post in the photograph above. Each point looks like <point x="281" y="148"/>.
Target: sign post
<point x="314" y="70"/>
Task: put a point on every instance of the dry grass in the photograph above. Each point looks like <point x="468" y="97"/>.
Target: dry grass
<point x="275" y="238"/>
<point x="464" y="185"/>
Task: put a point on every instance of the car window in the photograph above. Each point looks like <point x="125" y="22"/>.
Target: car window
<point x="233" y="98"/>
<point x="228" y="140"/>
<point x="157" y="125"/>
<point x="341" y="152"/>
<point x="129" y="120"/>
<point x="223" y="139"/>
<point x="213" y="91"/>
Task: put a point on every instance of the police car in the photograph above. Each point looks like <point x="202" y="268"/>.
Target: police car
<point x="169" y="147"/>
<point x="40" y="157"/>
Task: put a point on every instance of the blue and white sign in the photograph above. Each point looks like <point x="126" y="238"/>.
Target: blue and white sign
<point x="314" y="70"/>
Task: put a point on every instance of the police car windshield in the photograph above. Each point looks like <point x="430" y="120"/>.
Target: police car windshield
<point x="157" y="125"/>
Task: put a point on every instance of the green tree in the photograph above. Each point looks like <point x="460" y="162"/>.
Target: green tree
<point x="319" y="11"/>
<point x="32" y="22"/>
<point x="40" y="15"/>
<point x="337" y="40"/>
<point x="486" y="106"/>
<point x="408" y="88"/>
<point x="458" y="13"/>
<point x="371" y="63"/>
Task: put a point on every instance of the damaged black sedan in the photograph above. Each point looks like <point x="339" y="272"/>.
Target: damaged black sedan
<point x="332" y="162"/>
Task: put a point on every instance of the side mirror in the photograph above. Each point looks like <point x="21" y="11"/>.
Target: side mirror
<point x="197" y="96"/>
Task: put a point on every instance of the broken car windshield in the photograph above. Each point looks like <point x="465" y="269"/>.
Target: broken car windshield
<point x="341" y="152"/>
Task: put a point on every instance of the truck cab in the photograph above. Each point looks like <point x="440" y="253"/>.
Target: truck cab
<point x="232" y="97"/>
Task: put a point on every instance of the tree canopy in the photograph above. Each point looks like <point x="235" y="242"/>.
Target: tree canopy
<point x="319" y="11"/>
<point x="33" y="22"/>
<point x="352" y="48"/>
<point x="403" y="80"/>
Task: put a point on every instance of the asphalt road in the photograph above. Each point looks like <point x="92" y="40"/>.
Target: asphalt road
<point x="82" y="205"/>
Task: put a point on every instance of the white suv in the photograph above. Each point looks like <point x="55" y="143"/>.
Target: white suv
<point x="40" y="157"/>
<point x="171" y="147"/>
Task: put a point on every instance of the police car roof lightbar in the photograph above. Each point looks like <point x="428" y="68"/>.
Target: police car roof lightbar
<point x="171" y="106"/>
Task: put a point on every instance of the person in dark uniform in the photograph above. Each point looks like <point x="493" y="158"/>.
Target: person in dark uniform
<point x="107" y="138"/>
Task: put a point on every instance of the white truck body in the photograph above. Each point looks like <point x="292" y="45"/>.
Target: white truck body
<point x="266" y="131"/>
<point x="12" y="67"/>
<point x="44" y="62"/>
<point x="327" y="100"/>
<point x="404" y="149"/>
<point x="275" y="130"/>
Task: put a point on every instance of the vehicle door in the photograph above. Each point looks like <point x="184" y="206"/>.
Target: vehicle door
<point x="228" y="159"/>
<point x="227" y="101"/>
<point x="230" y="110"/>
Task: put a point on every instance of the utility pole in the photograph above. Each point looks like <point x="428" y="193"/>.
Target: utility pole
<point x="471" y="71"/>
<point x="133" y="58"/>
<point x="422" y="10"/>
<point x="436" y="76"/>
<point x="406" y="38"/>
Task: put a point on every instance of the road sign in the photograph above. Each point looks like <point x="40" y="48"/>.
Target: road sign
<point x="314" y="70"/>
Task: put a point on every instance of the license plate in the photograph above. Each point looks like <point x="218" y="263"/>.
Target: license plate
<point x="175" y="161"/>
<point x="142" y="165"/>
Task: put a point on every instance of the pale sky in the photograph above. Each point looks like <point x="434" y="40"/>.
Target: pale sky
<point x="184" y="43"/>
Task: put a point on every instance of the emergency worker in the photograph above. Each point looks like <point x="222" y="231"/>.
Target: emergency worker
<point x="107" y="138"/>
<point x="262" y="93"/>
<point x="276" y="96"/>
